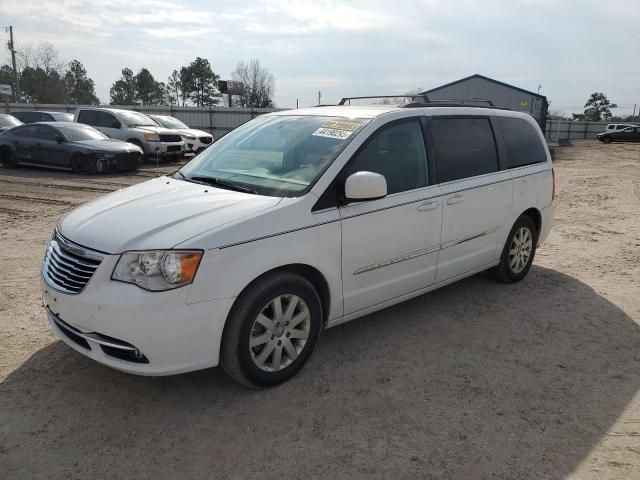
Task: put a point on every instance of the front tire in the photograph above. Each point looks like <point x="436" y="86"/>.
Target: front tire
<point x="83" y="165"/>
<point x="272" y="330"/>
<point x="518" y="252"/>
<point x="606" y="139"/>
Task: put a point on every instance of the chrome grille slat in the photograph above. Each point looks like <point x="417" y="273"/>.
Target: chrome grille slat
<point x="58" y="258"/>
<point x="62" y="278"/>
<point x="71" y="257"/>
<point x="68" y="267"/>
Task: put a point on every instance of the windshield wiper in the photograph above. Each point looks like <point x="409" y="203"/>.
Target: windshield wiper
<point x="218" y="182"/>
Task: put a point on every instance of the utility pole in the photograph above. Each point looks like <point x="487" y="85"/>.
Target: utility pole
<point x="296" y="103"/>
<point x="539" y="87"/>
<point x="319" y="97"/>
<point x="12" y="48"/>
<point x="633" y="117"/>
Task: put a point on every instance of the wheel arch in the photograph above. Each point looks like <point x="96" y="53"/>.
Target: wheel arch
<point x="308" y="272"/>
<point x="535" y="215"/>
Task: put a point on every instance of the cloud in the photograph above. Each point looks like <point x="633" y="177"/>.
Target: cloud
<point x="351" y="48"/>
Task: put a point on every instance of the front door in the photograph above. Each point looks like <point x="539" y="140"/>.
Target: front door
<point x="390" y="245"/>
<point x="476" y="195"/>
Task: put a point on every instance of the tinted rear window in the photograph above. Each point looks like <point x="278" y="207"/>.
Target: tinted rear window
<point x="464" y="147"/>
<point x="522" y="142"/>
<point x="88" y="117"/>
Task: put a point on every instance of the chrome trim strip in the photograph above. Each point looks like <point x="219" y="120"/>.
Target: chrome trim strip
<point x="77" y="249"/>
<point x="395" y="260"/>
<point x="468" y="238"/>
<point x="90" y="337"/>
<point x="419" y="253"/>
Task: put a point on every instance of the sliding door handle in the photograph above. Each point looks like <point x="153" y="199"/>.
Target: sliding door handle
<point x="457" y="198"/>
<point x="429" y="205"/>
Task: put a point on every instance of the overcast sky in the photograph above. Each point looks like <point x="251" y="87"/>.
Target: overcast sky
<point x="571" y="48"/>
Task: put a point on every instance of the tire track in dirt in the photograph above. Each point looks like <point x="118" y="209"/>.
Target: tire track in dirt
<point x="61" y="186"/>
<point x="46" y="201"/>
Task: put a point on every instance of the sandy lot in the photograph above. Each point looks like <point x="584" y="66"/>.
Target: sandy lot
<point x="478" y="380"/>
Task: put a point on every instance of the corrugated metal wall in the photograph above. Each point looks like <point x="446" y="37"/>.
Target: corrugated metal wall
<point x="564" y="129"/>
<point x="501" y="96"/>
<point x="216" y="120"/>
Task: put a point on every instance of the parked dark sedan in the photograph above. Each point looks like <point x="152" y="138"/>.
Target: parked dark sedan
<point x="629" y="134"/>
<point x="67" y="145"/>
<point x="33" y="116"/>
<point x="8" y="121"/>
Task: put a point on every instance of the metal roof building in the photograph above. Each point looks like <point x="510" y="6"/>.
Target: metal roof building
<point x="478" y="87"/>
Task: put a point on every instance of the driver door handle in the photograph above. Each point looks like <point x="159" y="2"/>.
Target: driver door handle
<point x="457" y="198"/>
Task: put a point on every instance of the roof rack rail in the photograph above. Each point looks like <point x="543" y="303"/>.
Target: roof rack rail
<point x="455" y="103"/>
<point x="421" y="98"/>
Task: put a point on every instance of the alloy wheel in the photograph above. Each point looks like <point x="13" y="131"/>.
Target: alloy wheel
<point x="520" y="249"/>
<point x="279" y="333"/>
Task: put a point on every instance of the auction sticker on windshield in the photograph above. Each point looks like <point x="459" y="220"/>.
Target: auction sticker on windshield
<point x="336" y="129"/>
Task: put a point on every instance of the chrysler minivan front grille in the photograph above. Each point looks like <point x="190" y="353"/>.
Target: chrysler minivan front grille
<point x="68" y="267"/>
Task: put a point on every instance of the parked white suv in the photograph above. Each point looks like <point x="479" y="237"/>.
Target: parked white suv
<point x="194" y="140"/>
<point x="133" y="127"/>
<point x="617" y="127"/>
<point x="294" y="222"/>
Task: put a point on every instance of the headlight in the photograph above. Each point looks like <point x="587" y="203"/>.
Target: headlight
<point x="158" y="270"/>
<point x="188" y="136"/>
<point x="151" y="137"/>
<point x="104" y="155"/>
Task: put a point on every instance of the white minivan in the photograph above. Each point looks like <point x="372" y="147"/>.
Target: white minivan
<point x="295" y="222"/>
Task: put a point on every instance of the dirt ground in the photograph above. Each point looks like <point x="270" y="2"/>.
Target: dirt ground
<point x="477" y="380"/>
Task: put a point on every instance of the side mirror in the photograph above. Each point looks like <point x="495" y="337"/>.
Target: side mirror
<point x="60" y="140"/>
<point x="365" y="186"/>
<point x="115" y="125"/>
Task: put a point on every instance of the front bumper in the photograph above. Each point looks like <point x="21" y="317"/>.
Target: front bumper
<point x="165" y="149"/>
<point x="195" y="146"/>
<point x="136" y="331"/>
<point x="119" y="163"/>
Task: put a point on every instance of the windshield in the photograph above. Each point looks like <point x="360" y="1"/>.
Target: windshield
<point x="9" y="121"/>
<point x="62" y="117"/>
<point x="170" y="122"/>
<point x="276" y="155"/>
<point x="80" y="133"/>
<point x="135" y="119"/>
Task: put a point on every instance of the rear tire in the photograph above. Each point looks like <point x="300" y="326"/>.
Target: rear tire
<point x="271" y="330"/>
<point x="518" y="252"/>
<point x="8" y="158"/>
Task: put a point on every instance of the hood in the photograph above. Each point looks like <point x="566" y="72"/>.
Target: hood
<point x="157" y="214"/>
<point x="193" y="131"/>
<point x="154" y="129"/>
<point x="110" y="145"/>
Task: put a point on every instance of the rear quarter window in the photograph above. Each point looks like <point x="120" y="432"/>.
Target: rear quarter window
<point x="88" y="117"/>
<point x="522" y="142"/>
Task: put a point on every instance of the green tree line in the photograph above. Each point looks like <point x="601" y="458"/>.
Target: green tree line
<point x="44" y="78"/>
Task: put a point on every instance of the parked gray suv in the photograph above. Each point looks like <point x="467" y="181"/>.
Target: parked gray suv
<point x="134" y="127"/>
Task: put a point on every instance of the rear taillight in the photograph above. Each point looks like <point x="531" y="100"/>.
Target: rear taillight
<point x="553" y="188"/>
